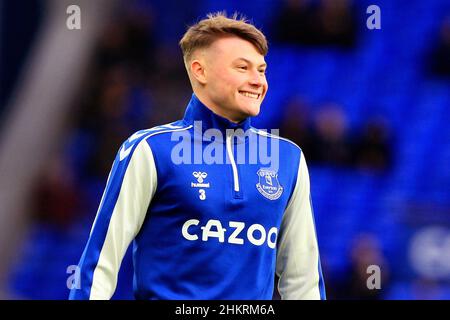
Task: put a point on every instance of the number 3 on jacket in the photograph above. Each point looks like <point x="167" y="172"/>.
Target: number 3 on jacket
<point x="202" y="194"/>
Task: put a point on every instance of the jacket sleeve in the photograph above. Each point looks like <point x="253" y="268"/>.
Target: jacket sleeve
<point x="298" y="263"/>
<point x="131" y="185"/>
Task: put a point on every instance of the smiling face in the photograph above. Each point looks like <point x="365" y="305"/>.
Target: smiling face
<point x="231" y="79"/>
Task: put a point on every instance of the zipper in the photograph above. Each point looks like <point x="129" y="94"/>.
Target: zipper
<point x="236" y="186"/>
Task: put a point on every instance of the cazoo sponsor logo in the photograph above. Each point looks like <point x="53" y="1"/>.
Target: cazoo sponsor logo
<point x="236" y="233"/>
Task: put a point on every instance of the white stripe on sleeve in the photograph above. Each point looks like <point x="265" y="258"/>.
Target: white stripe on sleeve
<point x="298" y="253"/>
<point x="137" y="189"/>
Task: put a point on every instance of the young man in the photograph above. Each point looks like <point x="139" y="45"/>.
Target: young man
<point x="205" y="221"/>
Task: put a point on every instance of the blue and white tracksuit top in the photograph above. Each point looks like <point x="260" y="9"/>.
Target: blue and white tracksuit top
<point x="204" y="227"/>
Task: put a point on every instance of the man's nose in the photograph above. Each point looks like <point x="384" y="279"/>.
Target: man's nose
<point x="256" y="79"/>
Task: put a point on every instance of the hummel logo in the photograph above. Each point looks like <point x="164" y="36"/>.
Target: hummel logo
<point x="124" y="152"/>
<point x="200" y="176"/>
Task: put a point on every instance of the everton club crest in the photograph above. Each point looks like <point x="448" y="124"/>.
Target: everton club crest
<point x="268" y="184"/>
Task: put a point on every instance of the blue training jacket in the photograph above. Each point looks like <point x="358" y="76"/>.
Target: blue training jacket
<point x="208" y="215"/>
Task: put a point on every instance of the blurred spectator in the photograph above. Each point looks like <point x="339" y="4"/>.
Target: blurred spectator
<point x="129" y="40"/>
<point x="335" y="23"/>
<point x="169" y="84"/>
<point x="117" y="101"/>
<point x="108" y="124"/>
<point x="56" y="199"/>
<point x="330" y="143"/>
<point x="327" y="139"/>
<point x="373" y="150"/>
<point x="330" y="22"/>
<point x="296" y="124"/>
<point x="365" y="252"/>
<point x="440" y="56"/>
<point x="293" y="23"/>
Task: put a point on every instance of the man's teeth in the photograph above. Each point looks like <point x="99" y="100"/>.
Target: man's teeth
<point x="250" y="95"/>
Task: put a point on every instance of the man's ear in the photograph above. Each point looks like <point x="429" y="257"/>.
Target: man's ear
<point x="198" y="71"/>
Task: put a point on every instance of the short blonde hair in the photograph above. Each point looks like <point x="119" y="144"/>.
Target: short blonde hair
<point x="217" y="25"/>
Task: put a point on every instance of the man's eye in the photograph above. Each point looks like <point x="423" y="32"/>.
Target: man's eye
<point x="242" y="67"/>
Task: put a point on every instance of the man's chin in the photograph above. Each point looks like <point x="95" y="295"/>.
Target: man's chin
<point x="247" y="114"/>
<point x="246" y="111"/>
<point x="254" y="111"/>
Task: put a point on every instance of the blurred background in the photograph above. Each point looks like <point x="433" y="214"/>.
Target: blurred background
<point x="368" y="107"/>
